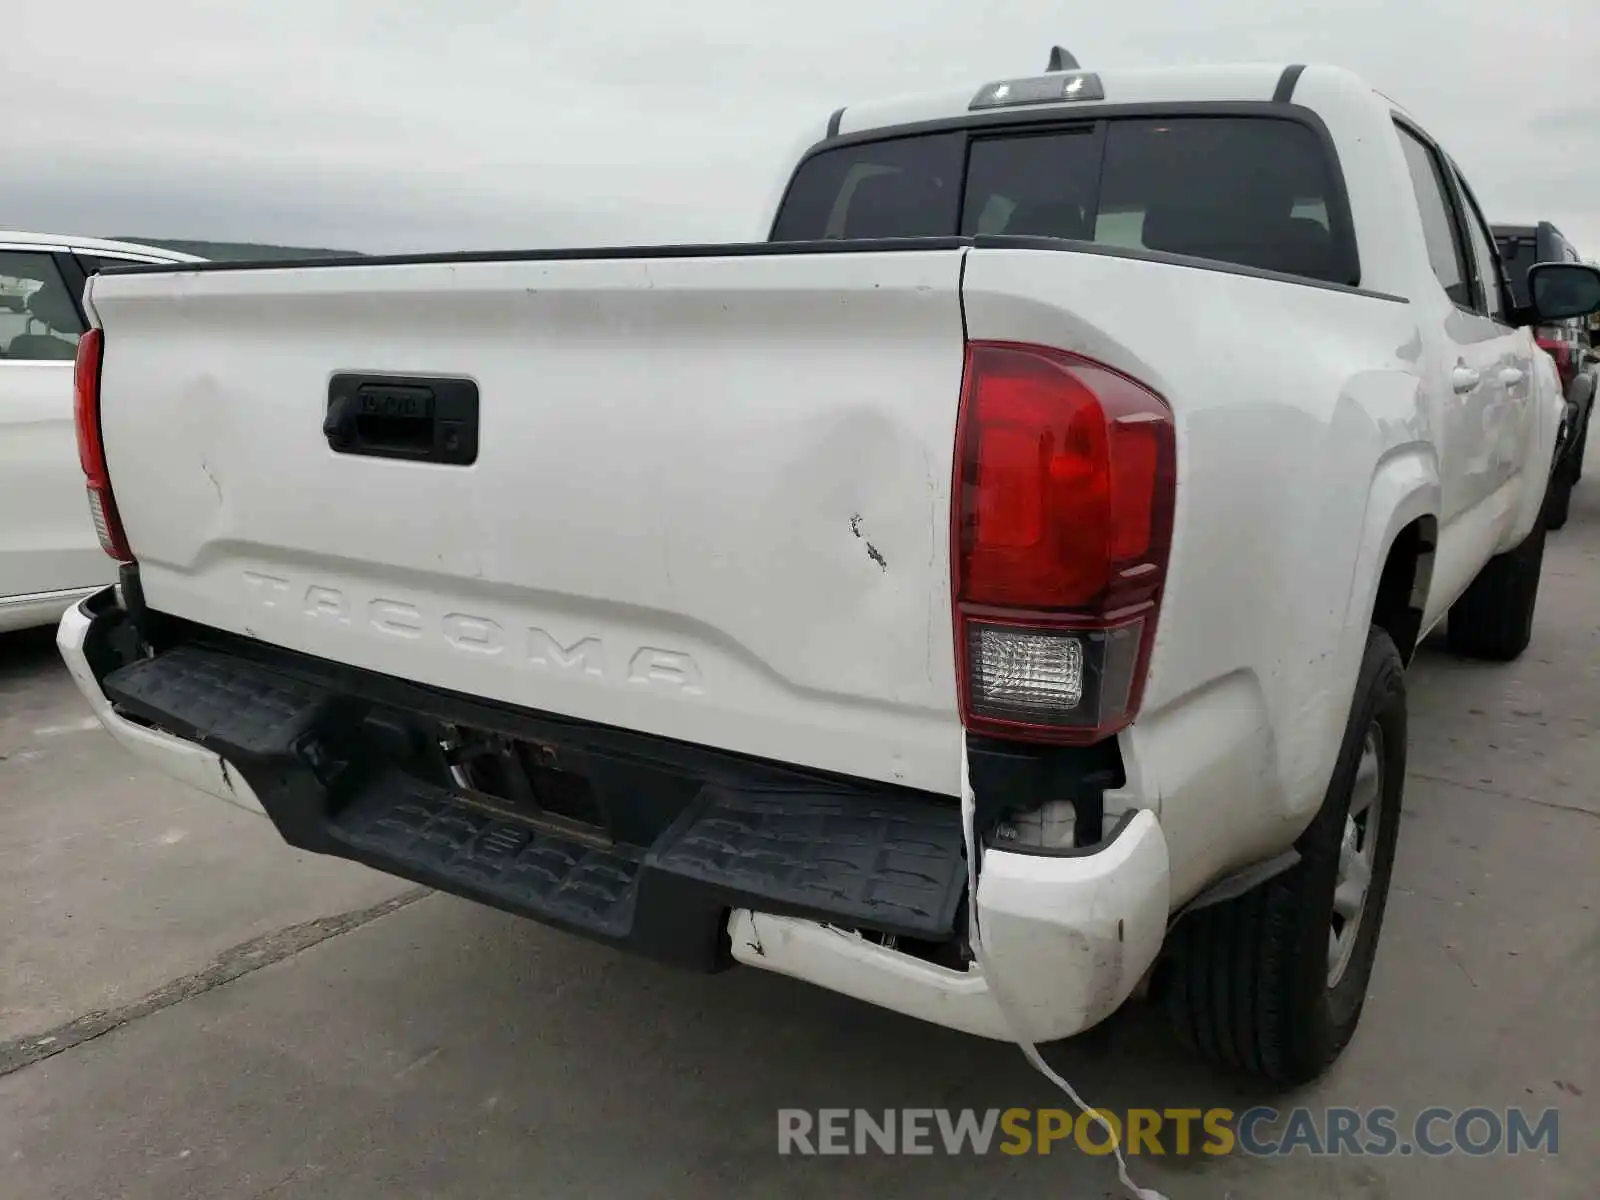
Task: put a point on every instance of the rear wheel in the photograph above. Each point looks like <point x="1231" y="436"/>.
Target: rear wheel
<point x="1558" y="505"/>
<point x="1273" y="982"/>
<point x="1493" y="620"/>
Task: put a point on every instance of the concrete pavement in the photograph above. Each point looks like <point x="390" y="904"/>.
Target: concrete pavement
<point x="424" y="1046"/>
<point x="113" y="880"/>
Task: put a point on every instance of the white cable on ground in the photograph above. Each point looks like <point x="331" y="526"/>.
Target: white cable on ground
<point x="1016" y="1027"/>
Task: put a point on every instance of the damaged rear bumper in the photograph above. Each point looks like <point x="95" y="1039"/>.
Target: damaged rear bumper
<point x="697" y="857"/>
<point x="83" y="647"/>
<point x="1068" y="938"/>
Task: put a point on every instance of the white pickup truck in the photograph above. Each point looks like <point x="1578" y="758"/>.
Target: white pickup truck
<point x="1069" y="478"/>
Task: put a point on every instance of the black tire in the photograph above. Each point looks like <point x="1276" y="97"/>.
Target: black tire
<point x="1248" y="982"/>
<point x="1558" y="502"/>
<point x="1493" y="620"/>
<point x="1579" y="450"/>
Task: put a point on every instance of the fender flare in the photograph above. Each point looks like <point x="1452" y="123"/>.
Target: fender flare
<point x="1405" y="488"/>
<point x="1583" y="390"/>
<point x="1549" y="404"/>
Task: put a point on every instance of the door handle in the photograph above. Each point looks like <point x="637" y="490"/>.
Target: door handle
<point x="1511" y="377"/>
<point x="428" y="418"/>
<point x="1464" y="380"/>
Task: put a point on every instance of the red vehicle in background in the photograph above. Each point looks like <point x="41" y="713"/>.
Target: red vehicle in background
<point x="1570" y="343"/>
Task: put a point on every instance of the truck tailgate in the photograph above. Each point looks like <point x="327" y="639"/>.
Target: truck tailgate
<point x="710" y="500"/>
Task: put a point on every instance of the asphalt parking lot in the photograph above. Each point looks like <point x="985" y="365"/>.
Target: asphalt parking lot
<point x="190" y="1009"/>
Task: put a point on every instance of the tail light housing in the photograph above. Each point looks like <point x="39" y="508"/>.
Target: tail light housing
<point x="1561" y="351"/>
<point x="91" y="450"/>
<point x="1061" y="528"/>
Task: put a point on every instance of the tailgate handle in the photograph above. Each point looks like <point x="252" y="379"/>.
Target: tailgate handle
<point x="425" y="419"/>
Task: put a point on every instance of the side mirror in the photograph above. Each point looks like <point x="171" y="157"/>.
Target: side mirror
<point x="1561" y="291"/>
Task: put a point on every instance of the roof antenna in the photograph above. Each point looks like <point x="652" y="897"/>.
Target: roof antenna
<point x="1061" y="60"/>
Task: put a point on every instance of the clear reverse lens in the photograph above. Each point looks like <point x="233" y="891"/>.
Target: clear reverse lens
<point x="1020" y="672"/>
<point x="97" y="513"/>
<point x="1042" y="677"/>
<point x="104" y="523"/>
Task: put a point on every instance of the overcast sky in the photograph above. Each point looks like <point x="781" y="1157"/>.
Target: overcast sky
<point x="437" y="124"/>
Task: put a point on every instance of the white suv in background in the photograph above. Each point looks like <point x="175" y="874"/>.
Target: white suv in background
<point x="49" y="553"/>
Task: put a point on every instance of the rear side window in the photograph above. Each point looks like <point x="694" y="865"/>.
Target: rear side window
<point x="1445" y="249"/>
<point x="1252" y="191"/>
<point x="1485" y="261"/>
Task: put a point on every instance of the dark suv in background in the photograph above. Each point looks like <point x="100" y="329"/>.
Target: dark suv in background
<point x="1568" y="342"/>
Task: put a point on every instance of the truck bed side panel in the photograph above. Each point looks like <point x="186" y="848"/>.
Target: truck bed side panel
<point x="1286" y="398"/>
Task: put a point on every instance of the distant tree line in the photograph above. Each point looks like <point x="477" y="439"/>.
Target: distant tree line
<point x="238" y="251"/>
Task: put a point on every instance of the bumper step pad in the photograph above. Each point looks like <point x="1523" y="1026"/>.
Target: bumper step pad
<point x="218" y="701"/>
<point x="895" y="866"/>
<point x="861" y="859"/>
<point x="426" y="833"/>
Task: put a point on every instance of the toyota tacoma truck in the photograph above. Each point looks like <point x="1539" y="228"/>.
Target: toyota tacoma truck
<point x="1017" y="553"/>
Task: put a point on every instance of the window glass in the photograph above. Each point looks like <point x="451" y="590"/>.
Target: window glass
<point x="39" y="318"/>
<point x="1445" y="250"/>
<point x="1485" y="258"/>
<point x="1252" y="191"/>
<point x="904" y="187"/>
<point x="1043" y="182"/>
<point x="1243" y="190"/>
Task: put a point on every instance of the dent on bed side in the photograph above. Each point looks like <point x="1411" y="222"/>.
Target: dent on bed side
<point x="1208" y="764"/>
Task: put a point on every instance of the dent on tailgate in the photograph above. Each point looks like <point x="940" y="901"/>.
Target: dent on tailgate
<point x="710" y="499"/>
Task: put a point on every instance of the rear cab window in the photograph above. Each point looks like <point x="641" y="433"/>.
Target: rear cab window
<point x="1252" y="191"/>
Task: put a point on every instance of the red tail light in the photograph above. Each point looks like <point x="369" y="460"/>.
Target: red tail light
<point x="91" y="453"/>
<point x="1562" y="353"/>
<point x="1061" y="528"/>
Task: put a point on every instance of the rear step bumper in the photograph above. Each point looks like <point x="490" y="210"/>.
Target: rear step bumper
<point x="798" y="874"/>
<point x="322" y="772"/>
